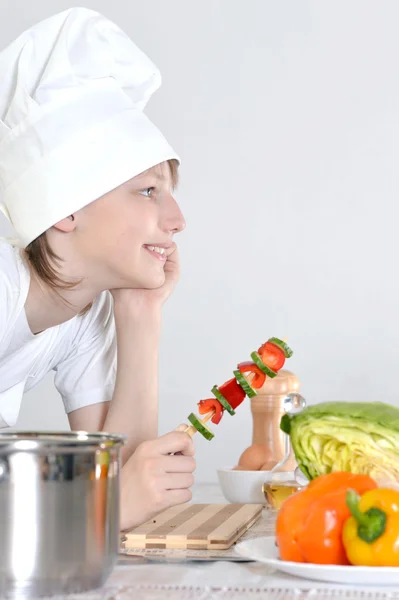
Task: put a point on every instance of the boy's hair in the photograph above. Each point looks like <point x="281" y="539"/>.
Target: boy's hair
<point x="44" y="260"/>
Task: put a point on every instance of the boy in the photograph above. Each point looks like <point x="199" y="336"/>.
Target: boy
<point x="86" y="181"/>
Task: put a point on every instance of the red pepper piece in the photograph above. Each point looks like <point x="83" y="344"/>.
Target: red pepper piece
<point x="272" y="356"/>
<point x="259" y="377"/>
<point x="258" y="380"/>
<point x="209" y="405"/>
<point x="233" y="392"/>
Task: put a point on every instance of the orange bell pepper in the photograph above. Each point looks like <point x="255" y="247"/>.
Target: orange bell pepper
<point x="309" y="523"/>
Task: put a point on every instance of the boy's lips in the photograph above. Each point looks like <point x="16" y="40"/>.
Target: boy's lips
<point x="159" y="251"/>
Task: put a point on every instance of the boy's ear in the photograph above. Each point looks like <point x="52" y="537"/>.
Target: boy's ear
<point x="66" y="225"/>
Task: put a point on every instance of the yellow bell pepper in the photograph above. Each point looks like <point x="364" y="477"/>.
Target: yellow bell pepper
<point x="371" y="535"/>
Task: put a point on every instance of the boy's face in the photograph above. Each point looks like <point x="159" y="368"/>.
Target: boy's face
<point x="123" y="237"/>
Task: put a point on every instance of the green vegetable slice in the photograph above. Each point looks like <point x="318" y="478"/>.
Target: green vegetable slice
<point x="222" y="400"/>
<point x="284" y="347"/>
<point x="262" y="366"/>
<point x="250" y="392"/>
<point x="200" y="427"/>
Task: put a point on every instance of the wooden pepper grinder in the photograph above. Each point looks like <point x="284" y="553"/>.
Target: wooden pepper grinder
<point x="268" y="441"/>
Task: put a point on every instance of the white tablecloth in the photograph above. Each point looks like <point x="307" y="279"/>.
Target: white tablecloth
<point x="142" y="580"/>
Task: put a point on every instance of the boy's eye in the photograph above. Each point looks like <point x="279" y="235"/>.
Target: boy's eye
<point x="147" y="192"/>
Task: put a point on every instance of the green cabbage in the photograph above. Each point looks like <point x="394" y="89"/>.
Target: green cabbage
<point x="361" y="437"/>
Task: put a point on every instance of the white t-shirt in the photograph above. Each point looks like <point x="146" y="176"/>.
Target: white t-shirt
<point x="82" y="351"/>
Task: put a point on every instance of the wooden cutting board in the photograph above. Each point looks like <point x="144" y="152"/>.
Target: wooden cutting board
<point x="195" y="527"/>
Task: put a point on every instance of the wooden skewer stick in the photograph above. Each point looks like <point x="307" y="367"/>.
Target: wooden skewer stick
<point x="208" y="417"/>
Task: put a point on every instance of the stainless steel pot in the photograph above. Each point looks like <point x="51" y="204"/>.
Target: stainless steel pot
<point x="59" y="511"/>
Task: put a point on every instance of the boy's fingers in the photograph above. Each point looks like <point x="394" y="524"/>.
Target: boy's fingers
<point x="179" y="481"/>
<point x="182" y="427"/>
<point x="179" y="464"/>
<point x="176" y="441"/>
<point x="175" y="497"/>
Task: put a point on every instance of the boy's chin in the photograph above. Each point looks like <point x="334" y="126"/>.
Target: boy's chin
<point x="152" y="283"/>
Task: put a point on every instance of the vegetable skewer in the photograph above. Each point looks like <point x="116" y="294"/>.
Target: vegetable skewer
<point x="248" y="378"/>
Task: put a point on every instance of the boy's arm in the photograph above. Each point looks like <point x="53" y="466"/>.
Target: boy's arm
<point x="134" y="407"/>
<point x="133" y="410"/>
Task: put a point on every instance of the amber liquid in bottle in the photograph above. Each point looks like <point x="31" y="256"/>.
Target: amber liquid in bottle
<point x="278" y="491"/>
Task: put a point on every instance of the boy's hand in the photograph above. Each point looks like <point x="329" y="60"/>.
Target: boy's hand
<point x="153" y="480"/>
<point x="143" y="298"/>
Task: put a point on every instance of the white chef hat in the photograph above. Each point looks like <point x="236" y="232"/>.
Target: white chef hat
<point x="72" y="92"/>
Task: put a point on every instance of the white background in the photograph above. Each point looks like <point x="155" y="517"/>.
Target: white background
<point x="286" y="116"/>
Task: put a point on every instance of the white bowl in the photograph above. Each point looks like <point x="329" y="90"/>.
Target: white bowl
<point x="245" y="487"/>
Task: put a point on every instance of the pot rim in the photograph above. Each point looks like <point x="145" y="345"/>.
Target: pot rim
<point x="44" y="441"/>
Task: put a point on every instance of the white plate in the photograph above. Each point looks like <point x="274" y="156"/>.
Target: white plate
<point x="264" y="550"/>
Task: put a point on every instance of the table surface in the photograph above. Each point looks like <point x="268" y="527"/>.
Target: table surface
<point x="148" y="580"/>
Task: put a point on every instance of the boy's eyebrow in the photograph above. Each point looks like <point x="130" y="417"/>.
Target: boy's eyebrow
<point x="158" y="176"/>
